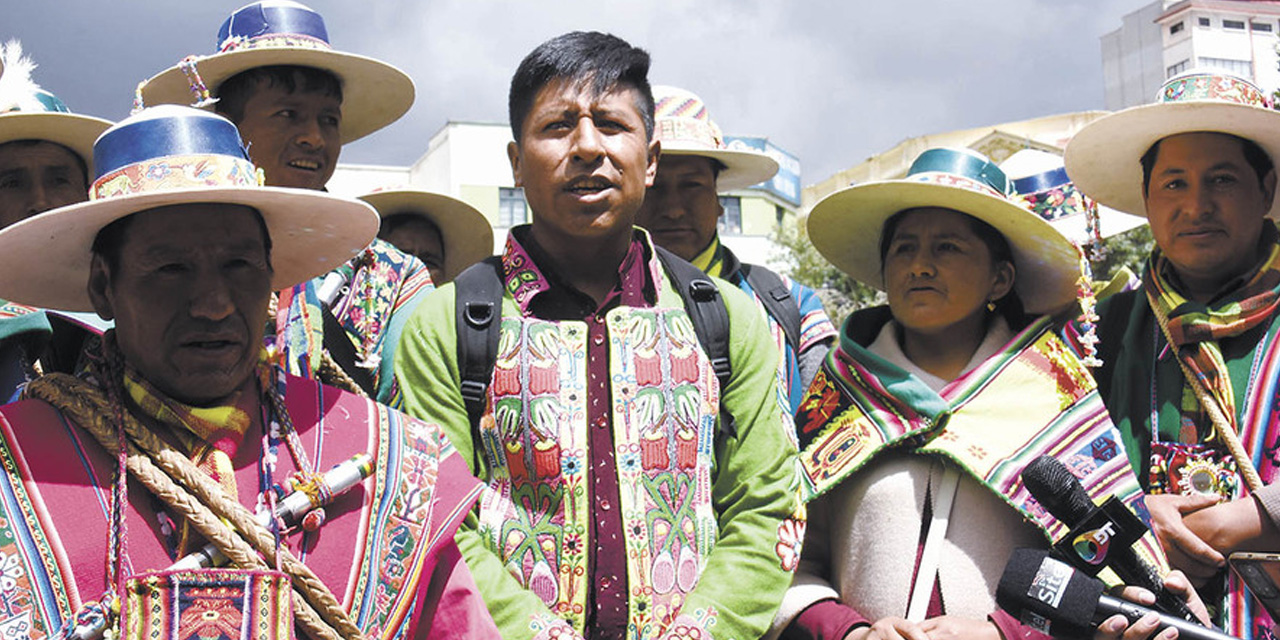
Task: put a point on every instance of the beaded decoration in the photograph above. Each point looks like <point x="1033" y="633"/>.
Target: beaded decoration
<point x="201" y="92"/>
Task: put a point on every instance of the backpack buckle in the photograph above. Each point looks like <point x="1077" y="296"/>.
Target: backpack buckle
<point x="473" y="391"/>
<point x="703" y="290"/>
<point x="478" y="314"/>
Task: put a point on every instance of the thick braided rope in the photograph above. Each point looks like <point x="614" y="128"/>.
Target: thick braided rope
<point x="88" y="407"/>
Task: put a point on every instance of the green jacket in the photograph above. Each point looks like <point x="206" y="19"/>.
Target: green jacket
<point x="724" y="564"/>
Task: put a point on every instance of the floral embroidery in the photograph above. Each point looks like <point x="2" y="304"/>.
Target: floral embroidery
<point x="790" y="539"/>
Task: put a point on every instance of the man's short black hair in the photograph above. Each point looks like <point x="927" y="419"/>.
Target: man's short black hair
<point x="599" y="62"/>
<point x="235" y="91"/>
<point x="110" y="239"/>
<point x="396" y="220"/>
<point x="28" y="143"/>
<point x="1253" y="154"/>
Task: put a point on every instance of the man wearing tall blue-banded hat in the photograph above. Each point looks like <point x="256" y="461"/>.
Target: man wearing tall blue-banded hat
<point x="46" y="156"/>
<point x="228" y="498"/>
<point x="296" y="101"/>
<point x="682" y="210"/>
<point x="1191" y="360"/>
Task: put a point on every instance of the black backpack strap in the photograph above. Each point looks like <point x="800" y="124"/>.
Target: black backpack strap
<point x="343" y="352"/>
<point x="710" y="320"/>
<point x="478" y="295"/>
<point x="777" y="300"/>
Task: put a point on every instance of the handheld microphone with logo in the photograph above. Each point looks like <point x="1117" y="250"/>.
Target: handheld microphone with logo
<point x="1050" y="596"/>
<point x="1099" y="537"/>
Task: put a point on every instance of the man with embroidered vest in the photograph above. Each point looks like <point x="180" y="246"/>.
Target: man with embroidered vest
<point x="182" y="248"/>
<point x="682" y="210"/>
<point x="46" y="154"/>
<point x="1190" y="360"/>
<point x="296" y="101"/>
<point x="619" y="503"/>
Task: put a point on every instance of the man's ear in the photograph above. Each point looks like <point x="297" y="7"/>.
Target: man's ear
<point x="513" y="154"/>
<point x="651" y="171"/>
<point x="100" y="288"/>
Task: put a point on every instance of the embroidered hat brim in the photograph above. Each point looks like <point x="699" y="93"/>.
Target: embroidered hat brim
<point x="374" y="93"/>
<point x="845" y="227"/>
<point x="1043" y="184"/>
<point x="311" y="234"/>
<point x="465" y="232"/>
<point x="742" y="168"/>
<point x="73" y="131"/>
<point x="1104" y="158"/>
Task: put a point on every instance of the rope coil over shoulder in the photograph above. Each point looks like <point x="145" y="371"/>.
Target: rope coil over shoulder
<point x="179" y="484"/>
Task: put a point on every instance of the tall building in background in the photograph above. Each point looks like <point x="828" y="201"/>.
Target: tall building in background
<point x="1168" y="37"/>
<point x="468" y="160"/>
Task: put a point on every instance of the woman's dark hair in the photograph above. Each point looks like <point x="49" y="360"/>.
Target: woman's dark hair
<point x="599" y="61"/>
<point x="1010" y="306"/>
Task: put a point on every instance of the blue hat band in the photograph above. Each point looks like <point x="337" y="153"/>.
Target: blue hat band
<point x="1042" y="181"/>
<point x="257" y="20"/>
<point x="152" y="138"/>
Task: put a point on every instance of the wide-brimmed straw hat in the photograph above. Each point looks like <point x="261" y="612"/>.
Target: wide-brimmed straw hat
<point x="28" y="112"/>
<point x="1040" y="181"/>
<point x="845" y="226"/>
<point x="685" y="128"/>
<point x="1104" y="158"/>
<point x="465" y="233"/>
<point x="170" y="155"/>
<point x="281" y="32"/>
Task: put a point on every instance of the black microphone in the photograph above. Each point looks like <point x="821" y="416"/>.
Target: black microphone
<point x="1051" y="597"/>
<point x="1099" y="537"/>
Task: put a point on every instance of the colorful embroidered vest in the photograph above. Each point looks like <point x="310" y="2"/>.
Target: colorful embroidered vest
<point x="375" y="552"/>
<point x="1032" y="398"/>
<point x="536" y="513"/>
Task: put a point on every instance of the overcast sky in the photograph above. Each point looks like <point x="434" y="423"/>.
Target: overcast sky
<point x="832" y="81"/>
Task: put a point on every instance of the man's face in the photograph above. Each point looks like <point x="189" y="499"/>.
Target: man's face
<point x="584" y="161"/>
<point x="292" y="137"/>
<point x="189" y="298"/>
<point x="36" y="177"/>
<point x="1206" y="207"/>
<point x="682" y="207"/>
<point x="417" y="237"/>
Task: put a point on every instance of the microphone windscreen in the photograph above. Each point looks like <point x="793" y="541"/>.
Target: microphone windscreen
<point x="1048" y="594"/>
<point x="1057" y="490"/>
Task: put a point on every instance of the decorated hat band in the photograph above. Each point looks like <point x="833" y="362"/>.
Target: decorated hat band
<point x="690" y="131"/>
<point x="161" y="154"/>
<point x="1206" y="85"/>
<point x="1052" y="195"/>
<point x="960" y="168"/>
<point x="273" y="24"/>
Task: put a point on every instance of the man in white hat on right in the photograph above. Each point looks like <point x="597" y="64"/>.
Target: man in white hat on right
<point x="682" y="210"/>
<point x="1191" y="361"/>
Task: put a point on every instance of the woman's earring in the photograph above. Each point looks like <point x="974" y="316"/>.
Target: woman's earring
<point x="991" y="305"/>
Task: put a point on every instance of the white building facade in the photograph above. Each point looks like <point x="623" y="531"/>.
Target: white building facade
<point x="1168" y="37"/>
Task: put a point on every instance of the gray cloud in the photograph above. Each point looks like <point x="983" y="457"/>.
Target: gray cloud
<point x="831" y="81"/>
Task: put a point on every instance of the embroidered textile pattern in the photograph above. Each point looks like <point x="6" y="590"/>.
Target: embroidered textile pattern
<point x="175" y="172"/>
<point x="535" y="514"/>
<point x="848" y="417"/>
<point x="208" y="604"/>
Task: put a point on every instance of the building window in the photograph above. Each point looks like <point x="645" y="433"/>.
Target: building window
<point x="1241" y="68"/>
<point x="779" y="213"/>
<point x="1177" y="68"/>
<point x="1260" y="26"/>
<point x="1233" y="24"/>
<point x="512" y="209"/>
<point x="731" y="222"/>
<point x="1176" y="27"/>
<point x="1204" y="22"/>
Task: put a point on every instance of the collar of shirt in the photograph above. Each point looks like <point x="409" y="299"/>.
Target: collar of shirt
<point x="540" y="292"/>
